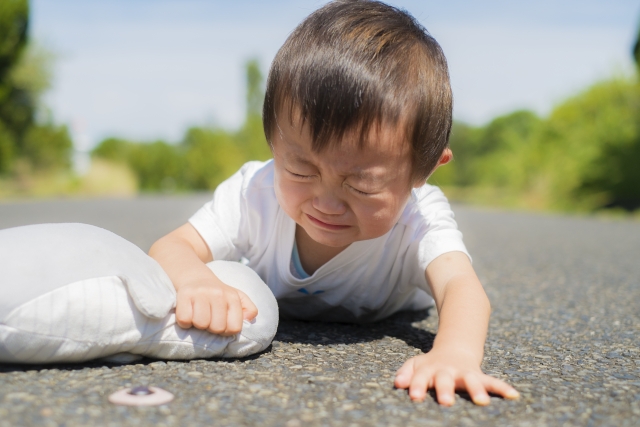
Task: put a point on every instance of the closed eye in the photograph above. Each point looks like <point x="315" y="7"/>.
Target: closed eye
<point x="359" y="191"/>
<point x="297" y="175"/>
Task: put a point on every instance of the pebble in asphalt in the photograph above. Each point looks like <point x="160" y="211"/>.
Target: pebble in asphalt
<point x="565" y="330"/>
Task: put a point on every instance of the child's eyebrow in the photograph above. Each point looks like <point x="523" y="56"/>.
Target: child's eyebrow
<point x="366" y="175"/>
<point x="297" y="158"/>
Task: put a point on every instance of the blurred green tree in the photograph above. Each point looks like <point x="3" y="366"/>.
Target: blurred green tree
<point x="255" y="88"/>
<point x="636" y="49"/>
<point x="7" y="148"/>
<point x="504" y="151"/>
<point x="16" y="110"/>
<point x="158" y="166"/>
<point x="590" y="147"/>
<point x="251" y="136"/>
<point x="460" y="171"/>
<point x="47" y="146"/>
<point x="583" y="156"/>
<point x="114" y="149"/>
<point x="25" y="74"/>
<point x="212" y="155"/>
<point x="491" y="155"/>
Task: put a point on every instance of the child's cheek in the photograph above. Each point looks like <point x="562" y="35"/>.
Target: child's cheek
<point x="378" y="217"/>
<point x="291" y="196"/>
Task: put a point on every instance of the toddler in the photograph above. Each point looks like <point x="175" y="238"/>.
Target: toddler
<point x="341" y="224"/>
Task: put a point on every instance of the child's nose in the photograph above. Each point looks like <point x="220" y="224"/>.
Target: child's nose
<point x="329" y="204"/>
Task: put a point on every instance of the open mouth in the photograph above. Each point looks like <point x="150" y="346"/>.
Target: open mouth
<point x="326" y="225"/>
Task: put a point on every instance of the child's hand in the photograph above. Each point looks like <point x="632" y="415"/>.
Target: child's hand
<point x="446" y="372"/>
<point x="216" y="307"/>
<point x="203" y="300"/>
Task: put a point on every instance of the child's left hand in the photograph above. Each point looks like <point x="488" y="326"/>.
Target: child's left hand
<point x="448" y="371"/>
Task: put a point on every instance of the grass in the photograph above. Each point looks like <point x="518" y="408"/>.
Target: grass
<point x="104" y="179"/>
<point x="506" y="199"/>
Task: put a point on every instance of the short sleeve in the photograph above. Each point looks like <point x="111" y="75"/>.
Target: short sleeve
<point x="437" y="231"/>
<point x="222" y="221"/>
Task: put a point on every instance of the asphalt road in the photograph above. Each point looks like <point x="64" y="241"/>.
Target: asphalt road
<point x="565" y="331"/>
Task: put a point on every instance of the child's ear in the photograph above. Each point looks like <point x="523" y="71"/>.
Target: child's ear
<point x="445" y="157"/>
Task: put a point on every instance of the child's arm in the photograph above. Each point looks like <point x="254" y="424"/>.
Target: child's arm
<point x="454" y="361"/>
<point x="202" y="301"/>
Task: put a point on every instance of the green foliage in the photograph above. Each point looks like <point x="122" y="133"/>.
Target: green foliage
<point x="211" y="157"/>
<point x="48" y="146"/>
<point x="255" y="93"/>
<point x="251" y="137"/>
<point x="506" y="145"/>
<point x="636" y="49"/>
<point x="7" y="149"/>
<point x="114" y="149"/>
<point x="204" y="158"/>
<point x="32" y="73"/>
<point x="16" y="107"/>
<point x="14" y="20"/>
<point x="592" y="147"/>
<point x="157" y="165"/>
<point x="24" y="76"/>
<point x="583" y="156"/>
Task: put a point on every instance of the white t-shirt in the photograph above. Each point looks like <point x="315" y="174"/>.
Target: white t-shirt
<point x="369" y="280"/>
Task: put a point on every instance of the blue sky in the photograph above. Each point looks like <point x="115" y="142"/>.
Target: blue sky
<point x="147" y="69"/>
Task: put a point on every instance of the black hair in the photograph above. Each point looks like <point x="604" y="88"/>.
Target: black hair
<point x="354" y="64"/>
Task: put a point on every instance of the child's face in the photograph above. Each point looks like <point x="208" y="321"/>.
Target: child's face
<point x="342" y="194"/>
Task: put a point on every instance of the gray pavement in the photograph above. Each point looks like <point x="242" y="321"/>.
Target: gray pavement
<point x="565" y="331"/>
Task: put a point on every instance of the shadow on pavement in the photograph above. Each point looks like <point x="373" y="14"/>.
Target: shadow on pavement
<point x="399" y="326"/>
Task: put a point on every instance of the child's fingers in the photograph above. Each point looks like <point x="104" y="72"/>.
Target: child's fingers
<point x="249" y="309"/>
<point x="445" y="387"/>
<point x="184" y="312"/>
<point x="419" y="384"/>
<point x="234" y="317"/>
<point x="201" y="317"/>
<point x="219" y="311"/>
<point x="499" y="387"/>
<point x="404" y="375"/>
<point x="476" y="389"/>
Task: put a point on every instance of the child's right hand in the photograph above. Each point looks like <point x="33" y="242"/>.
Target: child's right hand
<point x="203" y="301"/>
<point x="215" y="307"/>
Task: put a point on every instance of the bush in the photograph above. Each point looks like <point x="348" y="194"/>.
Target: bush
<point x="583" y="156"/>
<point x="114" y="149"/>
<point x="591" y="147"/>
<point x="7" y="149"/>
<point x="211" y="157"/>
<point x="47" y="146"/>
<point x="25" y="73"/>
<point x="156" y="165"/>
<point x="159" y="166"/>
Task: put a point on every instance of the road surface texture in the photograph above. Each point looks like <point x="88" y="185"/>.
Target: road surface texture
<point x="565" y="331"/>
